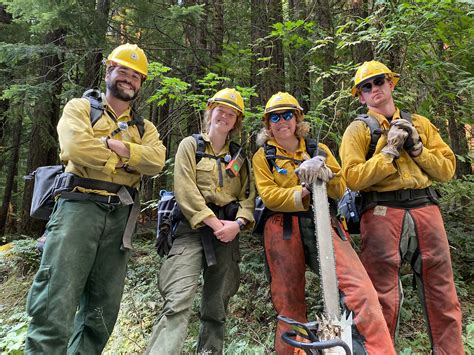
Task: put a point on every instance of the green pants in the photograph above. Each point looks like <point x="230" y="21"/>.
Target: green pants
<point x="178" y="281"/>
<point x="83" y="270"/>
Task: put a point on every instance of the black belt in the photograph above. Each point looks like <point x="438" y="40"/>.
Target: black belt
<point x="112" y="199"/>
<point x="407" y="198"/>
<point x="68" y="181"/>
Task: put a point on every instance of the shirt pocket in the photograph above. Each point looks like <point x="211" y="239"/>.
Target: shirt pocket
<point x="102" y="128"/>
<point x="205" y="175"/>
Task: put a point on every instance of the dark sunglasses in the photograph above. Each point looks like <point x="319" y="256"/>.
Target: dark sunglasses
<point x="276" y="117"/>
<point x="367" y="87"/>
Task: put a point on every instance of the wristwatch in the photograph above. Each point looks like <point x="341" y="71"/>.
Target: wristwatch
<point x="240" y="223"/>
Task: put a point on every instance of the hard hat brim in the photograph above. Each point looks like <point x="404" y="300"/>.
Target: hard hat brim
<point x="220" y="101"/>
<point x="127" y="65"/>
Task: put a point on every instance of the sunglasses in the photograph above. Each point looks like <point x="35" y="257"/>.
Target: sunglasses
<point x="276" y="117"/>
<point x="367" y="87"/>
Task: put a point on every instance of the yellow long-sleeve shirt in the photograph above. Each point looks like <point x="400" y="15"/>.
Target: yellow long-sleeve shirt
<point x="381" y="172"/>
<point x="282" y="192"/>
<point x="195" y="185"/>
<point x="87" y="156"/>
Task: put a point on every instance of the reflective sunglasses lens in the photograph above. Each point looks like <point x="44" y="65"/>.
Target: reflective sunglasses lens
<point x="379" y="81"/>
<point x="367" y="87"/>
<point x="275" y="118"/>
<point x="287" y="116"/>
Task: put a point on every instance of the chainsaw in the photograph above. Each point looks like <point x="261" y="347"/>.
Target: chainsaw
<point x="332" y="332"/>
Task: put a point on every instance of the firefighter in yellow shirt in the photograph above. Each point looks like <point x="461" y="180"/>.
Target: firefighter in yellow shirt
<point x="401" y="220"/>
<point x="216" y="207"/>
<point x="289" y="236"/>
<point x="75" y="296"/>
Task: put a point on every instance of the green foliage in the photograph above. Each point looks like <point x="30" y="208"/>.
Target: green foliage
<point x="457" y="205"/>
<point x="20" y="260"/>
<point x="171" y="88"/>
<point x="12" y="334"/>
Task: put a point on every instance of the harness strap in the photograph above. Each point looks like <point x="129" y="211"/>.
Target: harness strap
<point x="68" y="181"/>
<point x="130" y="226"/>
<point x="79" y="196"/>
<point x="206" y="239"/>
<point x="219" y="168"/>
<point x="287" y="226"/>
<point x="407" y="198"/>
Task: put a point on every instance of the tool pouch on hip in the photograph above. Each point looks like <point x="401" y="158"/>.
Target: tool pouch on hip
<point x="45" y="179"/>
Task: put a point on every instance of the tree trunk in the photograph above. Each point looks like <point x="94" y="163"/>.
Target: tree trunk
<point x="43" y="139"/>
<point x="361" y="52"/>
<point x="217" y="30"/>
<point x="6" y="19"/>
<point x="459" y="144"/>
<point x="268" y="76"/>
<point x="298" y="68"/>
<point x="93" y="61"/>
<point x="11" y="171"/>
<point x="324" y="19"/>
<point x="196" y="38"/>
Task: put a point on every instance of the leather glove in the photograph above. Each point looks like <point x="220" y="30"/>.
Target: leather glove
<point x="315" y="168"/>
<point x="413" y="144"/>
<point x="395" y="139"/>
<point x="164" y="240"/>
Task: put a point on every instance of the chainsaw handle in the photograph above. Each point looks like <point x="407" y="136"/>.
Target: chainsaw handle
<point x="317" y="345"/>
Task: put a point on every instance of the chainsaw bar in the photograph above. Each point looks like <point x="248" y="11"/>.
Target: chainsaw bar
<point x="327" y="261"/>
<point x="340" y="324"/>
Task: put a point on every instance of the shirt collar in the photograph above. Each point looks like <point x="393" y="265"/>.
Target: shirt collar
<point x="125" y="116"/>
<point x="382" y="119"/>
<point x="225" y="148"/>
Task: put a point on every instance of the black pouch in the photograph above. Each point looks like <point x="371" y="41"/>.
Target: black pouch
<point x="42" y="202"/>
<point x="169" y="215"/>
<point x="349" y="211"/>
<point x="260" y="214"/>
<point x="230" y="210"/>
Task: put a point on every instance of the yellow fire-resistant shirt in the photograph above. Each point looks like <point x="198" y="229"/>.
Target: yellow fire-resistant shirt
<point x="197" y="185"/>
<point x="87" y="156"/>
<point x="282" y="192"/>
<point x="383" y="173"/>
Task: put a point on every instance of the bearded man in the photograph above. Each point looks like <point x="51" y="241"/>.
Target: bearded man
<point x="75" y="297"/>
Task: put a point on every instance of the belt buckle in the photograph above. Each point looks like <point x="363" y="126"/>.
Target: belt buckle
<point x="404" y="195"/>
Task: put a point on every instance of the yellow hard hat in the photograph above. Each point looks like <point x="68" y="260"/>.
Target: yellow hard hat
<point x="228" y="97"/>
<point x="130" y="56"/>
<point x="283" y="101"/>
<point x="369" y="70"/>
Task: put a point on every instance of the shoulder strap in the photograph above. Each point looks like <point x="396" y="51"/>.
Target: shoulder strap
<point x="406" y="116"/>
<point x="233" y="150"/>
<point x="375" y="132"/>
<point x="270" y="154"/>
<point x="311" y="146"/>
<point x="200" y="146"/>
<point x="137" y="120"/>
<point x="97" y="110"/>
<point x="97" y="106"/>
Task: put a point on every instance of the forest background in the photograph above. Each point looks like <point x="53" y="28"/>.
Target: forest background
<point x="51" y="51"/>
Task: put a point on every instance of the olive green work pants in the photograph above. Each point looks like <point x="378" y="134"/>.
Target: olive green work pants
<point x="178" y="282"/>
<point x="82" y="269"/>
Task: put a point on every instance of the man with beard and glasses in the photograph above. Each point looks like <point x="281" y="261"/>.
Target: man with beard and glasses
<point x="75" y="296"/>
